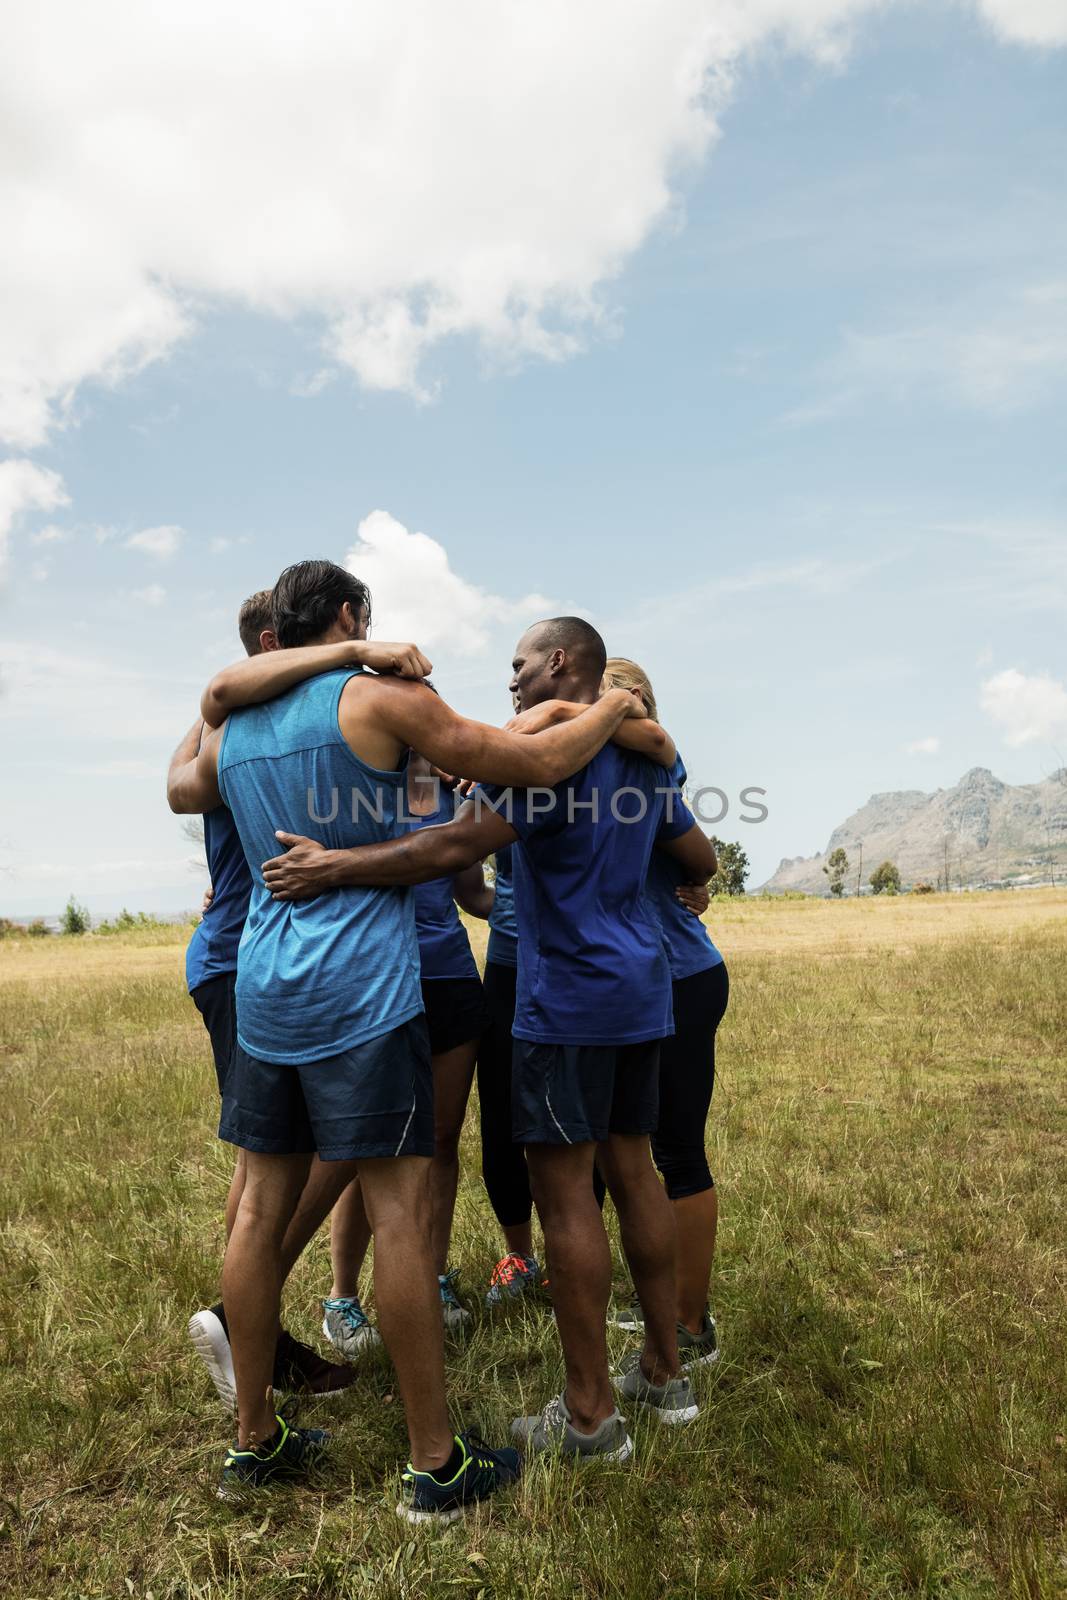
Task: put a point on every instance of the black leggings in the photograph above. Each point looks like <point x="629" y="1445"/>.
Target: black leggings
<point x="507" y="1181"/>
<point x="686" y="1079"/>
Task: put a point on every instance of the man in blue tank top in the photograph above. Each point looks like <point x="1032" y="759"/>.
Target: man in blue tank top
<point x="593" y="1001"/>
<point x="332" y="1050"/>
<point x="211" y="974"/>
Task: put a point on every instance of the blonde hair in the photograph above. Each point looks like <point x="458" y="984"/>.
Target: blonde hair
<point x="622" y="674"/>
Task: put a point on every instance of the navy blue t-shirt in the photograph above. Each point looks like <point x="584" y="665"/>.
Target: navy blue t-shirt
<point x="592" y="964"/>
<point x="688" y="942"/>
<point x="212" y="950"/>
<point x="503" y="927"/>
<point x="444" y="948"/>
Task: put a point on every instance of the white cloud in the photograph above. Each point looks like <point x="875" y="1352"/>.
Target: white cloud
<point x="153" y="595"/>
<point x="417" y="596"/>
<point x="161" y="542"/>
<point x="1028" y="21"/>
<point x="403" y="174"/>
<point x="924" y="747"/>
<point x="1026" y="707"/>
<point x="24" y="486"/>
<point x="50" y="535"/>
<point x="79" y="696"/>
<point x="998" y="354"/>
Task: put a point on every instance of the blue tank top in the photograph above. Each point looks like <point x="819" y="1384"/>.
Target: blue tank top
<point x="315" y="977"/>
<point x="685" y="938"/>
<point x="444" y="948"/>
<point x="503" y="924"/>
<point x="212" y="950"/>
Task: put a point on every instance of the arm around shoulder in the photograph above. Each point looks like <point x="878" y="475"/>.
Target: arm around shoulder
<point x="193" y="785"/>
<point x="694" y="853"/>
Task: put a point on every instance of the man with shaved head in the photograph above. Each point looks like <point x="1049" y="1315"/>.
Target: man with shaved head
<point x="593" y="1002"/>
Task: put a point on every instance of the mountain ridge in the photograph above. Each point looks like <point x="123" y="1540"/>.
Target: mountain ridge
<point x="980" y="833"/>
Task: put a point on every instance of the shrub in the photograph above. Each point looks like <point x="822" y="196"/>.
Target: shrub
<point x="921" y="888"/>
<point x="885" y="879"/>
<point x="37" y="929"/>
<point x="76" y="918"/>
<point x="127" y="921"/>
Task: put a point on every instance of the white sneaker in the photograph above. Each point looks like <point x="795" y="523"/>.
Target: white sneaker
<point x="212" y="1344"/>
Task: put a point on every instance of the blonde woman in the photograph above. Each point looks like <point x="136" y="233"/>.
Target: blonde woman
<point x="700" y="989"/>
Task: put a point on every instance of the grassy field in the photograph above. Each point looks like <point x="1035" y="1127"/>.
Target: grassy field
<point x="888" y="1418"/>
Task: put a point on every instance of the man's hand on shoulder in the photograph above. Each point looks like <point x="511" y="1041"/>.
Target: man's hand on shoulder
<point x="398" y="660"/>
<point x="536" y="718"/>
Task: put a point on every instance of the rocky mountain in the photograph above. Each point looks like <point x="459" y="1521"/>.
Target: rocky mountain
<point x="980" y="833"/>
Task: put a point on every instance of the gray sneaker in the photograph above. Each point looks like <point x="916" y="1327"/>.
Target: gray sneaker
<point x="348" y="1327"/>
<point x="552" y="1429"/>
<point x="632" y="1319"/>
<point x="698" y="1349"/>
<point x="455" y="1315"/>
<point x="672" y="1401"/>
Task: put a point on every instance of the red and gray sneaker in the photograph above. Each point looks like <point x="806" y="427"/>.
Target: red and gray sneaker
<point x="513" y="1276"/>
<point x="300" y="1370"/>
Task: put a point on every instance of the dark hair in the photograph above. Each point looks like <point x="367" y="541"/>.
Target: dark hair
<point x="580" y="640"/>
<point x="253" y="617"/>
<point x="308" y="598"/>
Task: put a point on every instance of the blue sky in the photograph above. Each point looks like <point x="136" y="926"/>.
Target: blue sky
<point x="797" y="448"/>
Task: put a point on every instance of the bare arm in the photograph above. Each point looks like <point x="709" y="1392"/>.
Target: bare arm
<point x="643" y="736"/>
<point x="455" y="744"/>
<point x="193" y="782"/>
<point x="694" y="853"/>
<point x="472" y="893"/>
<point x="264" y="677"/>
<point x="445" y="851"/>
<point x="185" y="755"/>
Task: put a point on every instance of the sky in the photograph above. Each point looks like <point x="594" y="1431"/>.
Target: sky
<point x="740" y="328"/>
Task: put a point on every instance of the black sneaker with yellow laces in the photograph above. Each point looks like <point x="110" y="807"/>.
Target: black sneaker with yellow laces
<point x="473" y="1473"/>
<point x="289" y="1453"/>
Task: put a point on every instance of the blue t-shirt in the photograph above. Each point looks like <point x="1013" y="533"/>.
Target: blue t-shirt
<point x="685" y="937"/>
<point x="212" y="950"/>
<point x="503" y="928"/>
<point x="592" y="966"/>
<point x="315" y="977"/>
<point x="444" y="948"/>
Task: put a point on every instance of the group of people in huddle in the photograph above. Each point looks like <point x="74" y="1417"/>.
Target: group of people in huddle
<point x="348" y="811"/>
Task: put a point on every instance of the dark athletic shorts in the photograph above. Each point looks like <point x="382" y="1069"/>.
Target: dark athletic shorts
<point x="455" y="1011"/>
<point x="214" y="999"/>
<point x="571" y="1093"/>
<point x="373" y="1100"/>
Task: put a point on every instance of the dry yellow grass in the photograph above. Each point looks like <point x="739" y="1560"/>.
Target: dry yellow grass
<point x="888" y="1418"/>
